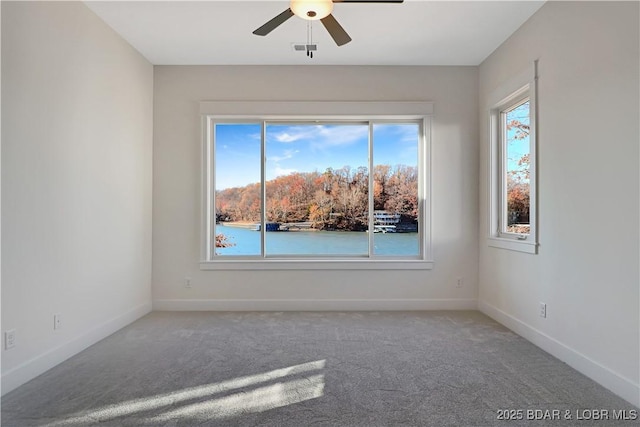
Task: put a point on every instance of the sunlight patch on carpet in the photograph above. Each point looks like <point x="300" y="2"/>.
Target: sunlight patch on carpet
<point x="257" y="400"/>
<point x="272" y="396"/>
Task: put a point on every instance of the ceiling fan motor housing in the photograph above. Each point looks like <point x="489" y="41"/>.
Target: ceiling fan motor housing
<point x="311" y="9"/>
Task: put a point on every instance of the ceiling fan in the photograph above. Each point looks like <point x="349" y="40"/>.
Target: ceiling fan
<point x="314" y="10"/>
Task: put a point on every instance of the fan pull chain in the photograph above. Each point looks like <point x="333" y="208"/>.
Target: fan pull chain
<point x="309" y="39"/>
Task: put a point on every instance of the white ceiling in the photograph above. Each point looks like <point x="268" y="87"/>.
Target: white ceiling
<point x="416" y="32"/>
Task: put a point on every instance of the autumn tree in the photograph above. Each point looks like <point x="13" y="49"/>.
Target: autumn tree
<point x="222" y="241"/>
<point x="403" y="191"/>
<point x="381" y="175"/>
<point x="321" y="208"/>
<point x="518" y="188"/>
<point x="334" y="199"/>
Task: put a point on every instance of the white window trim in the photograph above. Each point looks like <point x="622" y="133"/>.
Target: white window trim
<point x="312" y="110"/>
<point x="522" y="85"/>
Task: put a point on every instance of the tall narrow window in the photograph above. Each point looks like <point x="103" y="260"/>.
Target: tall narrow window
<point x="395" y="189"/>
<point x="516" y="172"/>
<point x="237" y="188"/>
<point x="513" y="177"/>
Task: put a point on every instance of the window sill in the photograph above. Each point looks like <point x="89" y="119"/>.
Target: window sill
<point x="513" y="245"/>
<point x="292" y="264"/>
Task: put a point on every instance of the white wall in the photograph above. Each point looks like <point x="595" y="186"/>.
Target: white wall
<point x="76" y="183"/>
<point x="587" y="267"/>
<point x="176" y="196"/>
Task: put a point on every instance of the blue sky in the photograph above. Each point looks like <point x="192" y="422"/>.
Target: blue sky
<point x="516" y="148"/>
<point x="307" y="148"/>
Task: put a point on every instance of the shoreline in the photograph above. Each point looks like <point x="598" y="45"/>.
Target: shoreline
<point x="237" y="224"/>
<point x="251" y="225"/>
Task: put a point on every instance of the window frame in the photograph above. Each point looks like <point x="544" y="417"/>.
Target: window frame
<point x="514" y="93"/>
<point x="310" y="112"/>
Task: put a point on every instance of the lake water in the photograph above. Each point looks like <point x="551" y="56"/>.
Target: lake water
<point x="247" y="242"/>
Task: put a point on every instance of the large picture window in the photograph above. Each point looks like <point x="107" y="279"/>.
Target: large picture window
<point x="288" y="189"/>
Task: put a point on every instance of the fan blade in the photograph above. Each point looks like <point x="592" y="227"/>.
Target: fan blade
<point x="335" y="30"/>
<point x="274" y="23"/>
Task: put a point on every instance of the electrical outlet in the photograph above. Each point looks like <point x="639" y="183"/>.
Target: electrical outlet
<point x="543" y="310"/>
<point x="187" y="282"/>
<point x="9" y="339"/>
<point x="459" y="283"/>
<point x="57" y="321"/>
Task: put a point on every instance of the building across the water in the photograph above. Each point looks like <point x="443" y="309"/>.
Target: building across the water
<point x="385" y="222"/>
<point x="269" y="226"/>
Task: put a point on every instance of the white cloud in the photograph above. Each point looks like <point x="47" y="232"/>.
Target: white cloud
<point x="320" y="136"/>
<point x="286" y="155"/>
<point x="409" y="134"/>
<point x="340" y="135"/>
<point x="276" y="167"/>
<point x="403" y="132"/>
<point x="278" y="171"/>
<point x="290" y="137"/>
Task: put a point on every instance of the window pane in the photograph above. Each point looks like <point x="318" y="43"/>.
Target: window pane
<point x="237" y="188"/>
<point x="316" y="189"/>
<point x="517" y="151"/>
<point x="395" y="189"/>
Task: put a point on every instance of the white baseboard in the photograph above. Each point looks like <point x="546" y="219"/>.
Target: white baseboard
<point x="313" y="305"/>
<point x="30" y="369"/>
<point x="623" y="387"/>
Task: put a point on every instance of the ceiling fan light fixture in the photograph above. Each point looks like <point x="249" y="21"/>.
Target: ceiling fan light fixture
<point x="312" y="9"/>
